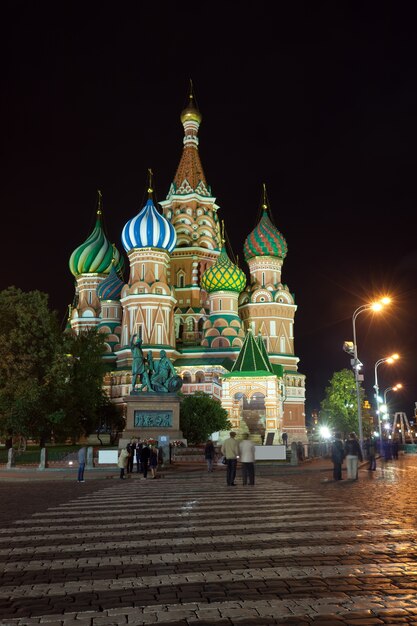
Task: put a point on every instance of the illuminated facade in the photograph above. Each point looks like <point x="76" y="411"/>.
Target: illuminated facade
<point x="230" y="337"/>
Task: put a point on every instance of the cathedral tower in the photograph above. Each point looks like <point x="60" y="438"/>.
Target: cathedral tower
<point x="90" y="263"/>
<point x="148" y="299"/>
<point x="191" y="209"/>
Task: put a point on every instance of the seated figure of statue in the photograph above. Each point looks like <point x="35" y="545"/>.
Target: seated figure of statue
<point x="165" y="378"/>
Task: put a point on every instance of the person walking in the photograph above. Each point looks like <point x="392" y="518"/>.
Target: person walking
<point x="144" y="459"/>
<point x="353" y="454"/>
<point x="371" y="454"/>
<point x="209" y="454"/>
<point x="230" y="449"/>
<point x="131" y="447"/>
<point x="153" y="460"/>
<point x="247" y="459"/>
<point x="82" y="452"/>
<point x="139" y="447"/>
<point x="337" y="453"/>
<point x="122" y="461"/>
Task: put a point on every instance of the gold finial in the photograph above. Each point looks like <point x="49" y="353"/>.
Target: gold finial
<point x="191" y="111"/>
<point x="264" y="201"/>
<point x="222" y="233"/>
<point x="150" y="190"/>
<point x="113" y="260"/>
<point x="99" y="202"/>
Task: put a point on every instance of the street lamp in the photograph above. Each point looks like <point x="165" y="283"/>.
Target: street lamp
<point x="395" y="388"/>
<point x="376" y="307"/>
<point x="389" y="359"/>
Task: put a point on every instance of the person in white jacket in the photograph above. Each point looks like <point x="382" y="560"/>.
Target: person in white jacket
<point x="247" y="459"/>
<point x="122" y="461"/>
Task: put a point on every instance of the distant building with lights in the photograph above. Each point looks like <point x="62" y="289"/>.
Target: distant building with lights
<point x="228" y="337"/>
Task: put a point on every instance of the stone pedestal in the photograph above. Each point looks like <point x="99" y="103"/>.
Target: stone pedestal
<point x="149" y="415"/>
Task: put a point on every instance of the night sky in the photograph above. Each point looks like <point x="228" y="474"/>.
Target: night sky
<point x="319" y="102"/>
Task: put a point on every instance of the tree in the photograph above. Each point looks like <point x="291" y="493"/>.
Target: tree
<point x="30" y="343"/>
<point x="83" y="400"/>
<point x="339" y="408"/>
<point x="200" y="416"/>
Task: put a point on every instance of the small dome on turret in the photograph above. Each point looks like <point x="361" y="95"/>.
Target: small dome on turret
<point x="95" y="255"/>
<point x="111" y="287"/>
<point x="265" y="239"/>
<point x="223" y="275"/>
<point x="191" y="112"/>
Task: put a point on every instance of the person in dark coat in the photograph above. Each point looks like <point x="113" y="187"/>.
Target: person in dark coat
<point x="139" y="447"/>
<point x="371" y="449"/>
<point x="353" y="455"/>
<point x="337" y="453"/>
<point x="209" y="454"/>
<point x="144" y="459"/>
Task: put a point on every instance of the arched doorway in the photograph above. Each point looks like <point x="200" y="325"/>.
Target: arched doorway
<point x="251" y="412"/>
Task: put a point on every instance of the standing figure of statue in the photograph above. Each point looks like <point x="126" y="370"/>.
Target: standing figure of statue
<point x="139" y="369"/>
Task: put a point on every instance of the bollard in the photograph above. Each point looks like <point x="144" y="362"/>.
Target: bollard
<point x="294" y="457"/>
<point x="89" y="463"/>
<point x="11" y="459"/>
<point x="43" y="460"/>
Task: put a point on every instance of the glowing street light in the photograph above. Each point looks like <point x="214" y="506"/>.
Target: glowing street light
<point x="356" y="364"/>
<point x="389" y="359"/>
<point x="394" y="388"/>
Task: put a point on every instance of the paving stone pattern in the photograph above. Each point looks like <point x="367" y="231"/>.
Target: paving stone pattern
<point x="183" y="551"/>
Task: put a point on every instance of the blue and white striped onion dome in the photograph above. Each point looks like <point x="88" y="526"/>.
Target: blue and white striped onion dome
<point x="149" y="229"/>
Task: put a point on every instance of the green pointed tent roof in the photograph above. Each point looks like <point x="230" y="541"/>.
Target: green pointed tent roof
<point x="251" y="358"/>
<point x="262" y="348"/>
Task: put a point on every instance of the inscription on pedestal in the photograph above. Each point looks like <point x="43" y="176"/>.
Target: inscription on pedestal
<point x="152" y="419"/>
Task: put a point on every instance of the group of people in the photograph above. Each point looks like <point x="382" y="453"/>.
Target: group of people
<point x="244" y="450"/>
<point x="350" y="451"/>
<point x="147" y="458"/>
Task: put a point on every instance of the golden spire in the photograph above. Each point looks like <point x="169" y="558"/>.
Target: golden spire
<point x="99" y="202"/>
<point x="264" y="198"/>
<point x="150" y="189"/>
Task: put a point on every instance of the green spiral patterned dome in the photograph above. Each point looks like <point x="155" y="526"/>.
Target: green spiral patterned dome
<point x="96" y="254"/>
<point x="223" y="276"/>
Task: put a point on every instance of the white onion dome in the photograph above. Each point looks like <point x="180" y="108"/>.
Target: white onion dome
<point x="149" y="229"/>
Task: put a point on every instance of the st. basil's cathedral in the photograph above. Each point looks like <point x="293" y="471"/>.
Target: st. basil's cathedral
<point x="228" y="337"/>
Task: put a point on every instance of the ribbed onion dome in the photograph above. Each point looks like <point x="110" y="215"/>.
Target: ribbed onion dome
<point x="149" y="229"/>
<point x="265" y="240"/>
<point x="223" y="275"/>
<point x="111" y="287"/>
<point x="95" y="255"/>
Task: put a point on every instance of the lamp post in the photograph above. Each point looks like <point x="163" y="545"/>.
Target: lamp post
<point x="389" y="359"/>
<point x="373" y="306"/>
<point x="395" y="388"/>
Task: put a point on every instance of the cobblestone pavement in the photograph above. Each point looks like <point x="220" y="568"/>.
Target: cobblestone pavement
<point x="296" y="548"/>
